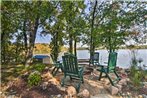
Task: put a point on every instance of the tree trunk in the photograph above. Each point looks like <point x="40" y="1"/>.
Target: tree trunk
<point x="92" y="46"/>
<point x="32" y="37"/>
<point x="3" y="48"/>
<point x="70" y="42"/>
<point x="16" y="52"/>
<point x="25" y="39"/>
<point x="57" y="46"/>
<point x="70" y="45"/>
<point x="75" y="47"/>
<point x="110" y="45"/>
<point x="2" y="36"/>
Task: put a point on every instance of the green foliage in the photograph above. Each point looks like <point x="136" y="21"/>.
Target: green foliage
<point x="68" y="21"/>
<point x="137" y="75"/>
<point x="39" y="67"/>
<point x="34" y="78"/>
<point x="136" y="79"/>
<point x="36" y="67"/>
<point x="132" y="70"/>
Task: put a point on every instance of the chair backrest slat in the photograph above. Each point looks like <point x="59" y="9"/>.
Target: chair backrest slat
<point x="96" y="56"/>
<point x="112" y="60"/>
<point x="70" y="63"/>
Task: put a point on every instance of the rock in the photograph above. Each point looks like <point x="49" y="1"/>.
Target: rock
<point x="44" y="85"/>
<point x="46" y="68"/>
<point x="122" y="82"/>
<point x="140" y="96"/>
<point x="122" y="71"/>
<point x="59" y="96"/>
<point x="113" y="90"/>
<point x="107" y="81"/>
<point x="47" y="76"/>
<point x="62" y="88"/>
<point x="107" y="86"/>
<point x="71" y="92"/>
<point x="54" y="81"/>
<point x="144" y="96"/>
<point x="84" y="94"/>
<point x="25" y="74"/>
<point x="124" y="75"/>
<point x="127" y="79"/>
<point x="65" y="96"/>
<point x="10" y="84"/>
<point x="119" y="87"/>
<point x="129" y="94"/>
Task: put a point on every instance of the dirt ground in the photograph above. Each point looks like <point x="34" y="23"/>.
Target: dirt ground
<point x="95" y="87"/>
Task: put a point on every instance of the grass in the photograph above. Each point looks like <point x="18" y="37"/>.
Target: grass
<point x="9" y="73"/>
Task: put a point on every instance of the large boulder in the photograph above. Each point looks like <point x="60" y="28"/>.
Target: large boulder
<point x="119" y="87"/>
<point x="71" y="92"/>
<point x="84" y="94"/>
<point x="113" y="90"/>
<point x="54" y="81"/>
<point x="47" y="76"/>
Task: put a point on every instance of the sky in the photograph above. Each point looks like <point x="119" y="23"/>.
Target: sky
<point x="43" y="38"/>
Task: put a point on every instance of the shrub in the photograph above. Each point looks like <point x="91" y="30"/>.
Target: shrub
<point x="137" y="76"/>
<point x="136" y="79"/>
<point x="34" y="78"/>
<point x="39" y="67"/>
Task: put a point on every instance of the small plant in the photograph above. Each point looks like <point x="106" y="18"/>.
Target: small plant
<point x="132" y="70"/>
<point x="39" y="67"/>
<point x="135" y="73"/>
<point x="34" y="78"/>
<point x="136" y="80"/>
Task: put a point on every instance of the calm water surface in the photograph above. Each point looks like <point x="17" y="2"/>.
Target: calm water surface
<point x="124" y="56"/>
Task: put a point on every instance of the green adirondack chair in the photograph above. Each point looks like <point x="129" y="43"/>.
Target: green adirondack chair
<point x="72" y="69"/>
<point x="110" y="68"/>
<point x="57" y="65"/>
<point x="95" y="59"/>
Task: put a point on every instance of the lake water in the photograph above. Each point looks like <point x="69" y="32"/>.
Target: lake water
<point x="123" y="59"/>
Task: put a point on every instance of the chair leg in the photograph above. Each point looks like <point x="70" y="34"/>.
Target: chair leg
<point x="70" y="78"/>
<point x="117" y="75"/>
<point x="62" y="82"/>
<point x="78" y="87"/>
<point x="81" y="79"/>
<point x="109" y="78"/>
<point x="53" y="70"/>
<point x="100" y="75"/>
<point x="56" y="72"/>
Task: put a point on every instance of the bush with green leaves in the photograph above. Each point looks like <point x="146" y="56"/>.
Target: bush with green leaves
<point x="34" y="78"/>
<point x="137" y="76"/>
<point x="38" y="67"/>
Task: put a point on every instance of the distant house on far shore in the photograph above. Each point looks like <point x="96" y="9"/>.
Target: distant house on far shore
<point x="43" y="58"/>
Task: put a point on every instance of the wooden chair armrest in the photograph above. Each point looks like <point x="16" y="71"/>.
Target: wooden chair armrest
<point x="57" y="64"/>
<point x="81" y="69"/>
